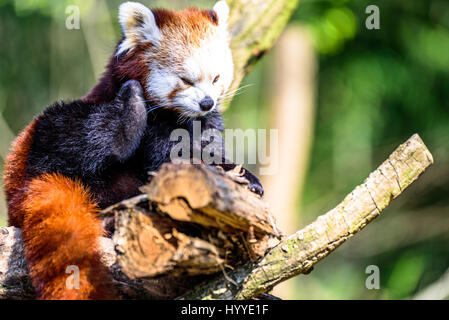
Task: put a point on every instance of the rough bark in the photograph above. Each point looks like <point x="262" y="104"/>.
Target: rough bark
<point x="255" y="26"/>
<point x="301" y="251"/>
<point x="294" y="255"/>
<point x="192" y="220"/>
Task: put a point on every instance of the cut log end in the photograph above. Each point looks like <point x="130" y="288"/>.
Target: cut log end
<point x="194" y="221"/>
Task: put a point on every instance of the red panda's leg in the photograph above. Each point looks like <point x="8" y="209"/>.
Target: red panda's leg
<point x="60" y="230"/>
<point x="254" y="182"/>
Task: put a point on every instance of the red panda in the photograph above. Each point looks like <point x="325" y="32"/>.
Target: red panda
<point x="76" y="158"/>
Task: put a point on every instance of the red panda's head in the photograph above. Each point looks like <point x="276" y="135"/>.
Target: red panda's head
<point x="184" y="56"/>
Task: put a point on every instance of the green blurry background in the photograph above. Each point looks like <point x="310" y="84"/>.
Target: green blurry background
<point x="374" y="89"/>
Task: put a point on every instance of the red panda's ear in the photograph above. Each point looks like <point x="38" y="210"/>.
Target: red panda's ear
<point x="138" y="25"/>
<point x="222" y="10"/>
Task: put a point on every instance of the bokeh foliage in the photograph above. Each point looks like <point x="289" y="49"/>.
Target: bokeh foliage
<point x="375" y="89"/>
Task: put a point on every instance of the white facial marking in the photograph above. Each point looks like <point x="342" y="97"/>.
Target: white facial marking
<point x="213" y="58"/>
<point x="161" y="83"/>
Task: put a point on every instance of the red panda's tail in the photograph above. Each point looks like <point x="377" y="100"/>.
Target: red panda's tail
<point x="60" y="233"/>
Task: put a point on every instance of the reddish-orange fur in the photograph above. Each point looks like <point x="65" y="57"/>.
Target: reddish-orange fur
<point x="57" y="214"/>
<point x="14" y="174"/>
<point x="196" y="20"/>
<point x="59" y="228"/>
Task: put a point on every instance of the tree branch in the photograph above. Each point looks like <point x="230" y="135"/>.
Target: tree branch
<point x="192" y="221"/>
<point x="255" y="26"/>
<point x="301" y="251"/>
<point x="294" y="255"/>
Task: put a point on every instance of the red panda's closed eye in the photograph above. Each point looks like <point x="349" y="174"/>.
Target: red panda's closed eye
<point x="187" y="82"/>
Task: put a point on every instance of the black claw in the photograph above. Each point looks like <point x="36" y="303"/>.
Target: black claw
<point x="255" y="185"/>
<point x="257" y="189"/>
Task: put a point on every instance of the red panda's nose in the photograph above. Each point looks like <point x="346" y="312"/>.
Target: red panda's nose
<point x="207" y="103"/>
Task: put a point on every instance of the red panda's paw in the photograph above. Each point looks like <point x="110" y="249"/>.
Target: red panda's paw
<point x="130" y="120"/>
<point x="131" y="101"/>
<point x="254" y="183"/>
<point x="131" y="92"/>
